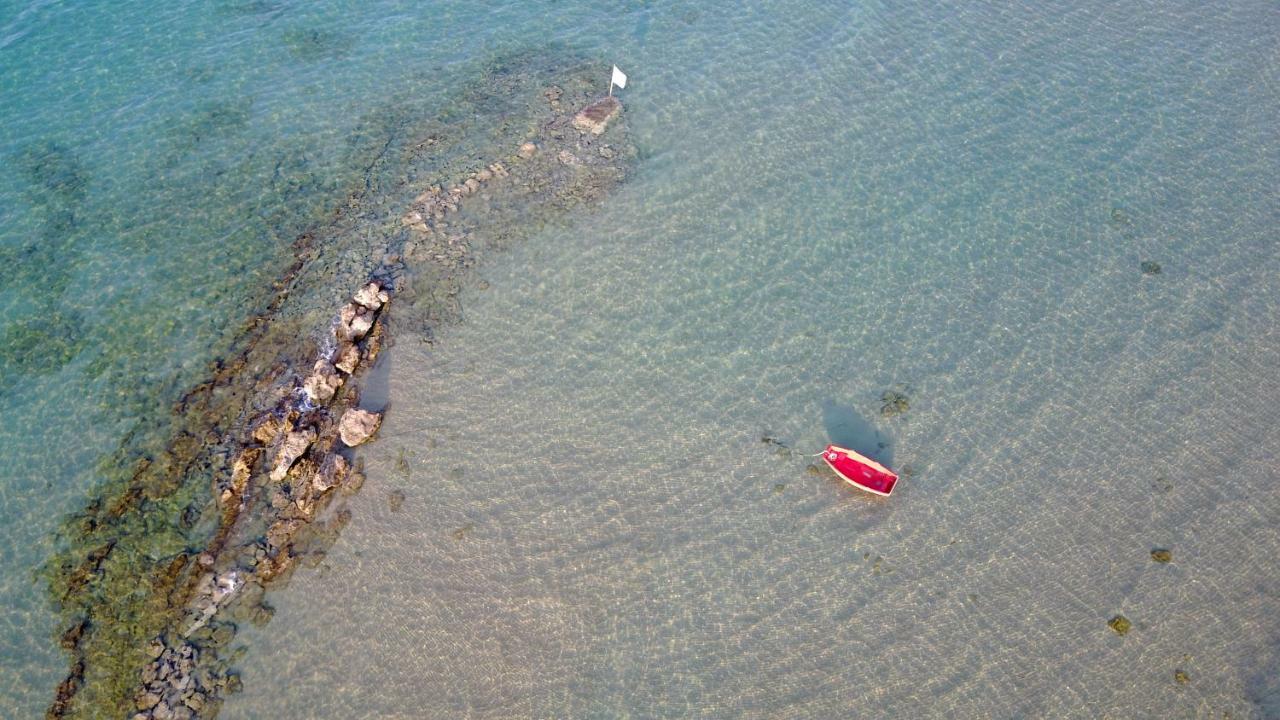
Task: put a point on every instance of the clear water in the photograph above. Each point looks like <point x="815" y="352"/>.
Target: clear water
<point x="834" y="201"/>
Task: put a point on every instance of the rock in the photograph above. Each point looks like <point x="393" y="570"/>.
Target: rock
<point x="267" y="428"/>
<point x="553" y="94"/>
<point x="1120" y="624"/>
<point x="371" y="296"/>
<point x="1150" y="267"/>
<point x="1181" y="677"/>
<point x="606" y="152"/>
<point x="1162" y="555"/>
<point x="241" y="469"/>
<point x="484" y="175"/>
<point x="295" y="443"/>
<point x="357" y="426"/>
<point x="596" y="116"/>
<point x="500" y="170"/>
<point x="567" y="158"/>
<point x="330" y="475"/>
<point x="354" y="321"/>
<point x="162" y="712"/>
<point x="472" y="184"/>
<point x="527" y="151"/>
<point x="323" y="382"/>
<point x="411" y="218"/>
<point x="148" y="700"/>
<point x="348" y="358"/>
<point x="281" y="532"/>
<point x="353" y="482"/>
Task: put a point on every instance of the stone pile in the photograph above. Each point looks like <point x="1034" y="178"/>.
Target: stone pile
<point x="292" y="457"/>
<point x="285" y="470"/>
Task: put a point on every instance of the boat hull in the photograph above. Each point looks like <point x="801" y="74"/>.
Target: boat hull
<point x="860" y="471"/>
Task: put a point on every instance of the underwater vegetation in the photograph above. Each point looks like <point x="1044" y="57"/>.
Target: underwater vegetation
<point x="55" y="171"/>
<point x="39" y="344"/>
<point x="894" y="402"/>
<point x="1120" y="624"/>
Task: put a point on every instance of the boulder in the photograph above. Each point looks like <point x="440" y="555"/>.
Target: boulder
<point x="330" y="475"/>
<point x="354" y="321"/>
<point x="348" y="358"/>
<point x="357" y="426"/>
<point x="295" y="443"/>
<point x="372" y="296"/>
<point x="527" y="151"/>
<point x="323" y="382"/>
<point x="595" y="117"/>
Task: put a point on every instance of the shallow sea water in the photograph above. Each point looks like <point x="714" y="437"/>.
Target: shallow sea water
<point x="833" y="201"/>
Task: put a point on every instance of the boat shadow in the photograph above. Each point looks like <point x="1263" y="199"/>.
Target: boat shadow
<point x="846" y="428"/>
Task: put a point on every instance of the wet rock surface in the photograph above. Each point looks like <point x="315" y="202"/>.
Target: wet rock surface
<point x="595" y="117"/>
<point x="357" y="426"/>
<point x="218" y="500"/>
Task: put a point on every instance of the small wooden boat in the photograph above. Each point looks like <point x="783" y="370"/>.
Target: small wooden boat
<point x="860" y="472"/>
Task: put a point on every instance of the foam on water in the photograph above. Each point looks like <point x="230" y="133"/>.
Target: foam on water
<point x="834" y="201"/>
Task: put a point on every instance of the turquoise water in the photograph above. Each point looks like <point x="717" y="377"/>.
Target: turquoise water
<point x="833" y="201"/>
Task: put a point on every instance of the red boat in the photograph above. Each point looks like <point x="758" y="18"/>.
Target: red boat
<point x="860" y="472"/>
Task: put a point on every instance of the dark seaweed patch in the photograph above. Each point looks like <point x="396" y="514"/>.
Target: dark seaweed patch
<point x="313" y="44"/>
<point x="55" y="170"/>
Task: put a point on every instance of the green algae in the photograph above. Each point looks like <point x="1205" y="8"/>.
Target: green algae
<point x="1120" y="624"/>
<point x="127" y="562"/>
<point x="894" y="403"/>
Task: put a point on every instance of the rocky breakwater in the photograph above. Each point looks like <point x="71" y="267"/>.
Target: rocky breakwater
<point x="162" y="568"/>
<point x="293" y="462"/>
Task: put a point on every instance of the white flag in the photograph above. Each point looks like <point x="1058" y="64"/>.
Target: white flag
<point x="619" y="77"/>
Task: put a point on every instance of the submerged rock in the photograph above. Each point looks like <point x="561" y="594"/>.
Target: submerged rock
<point x="1120" y="624"/>
<point x="894" y="403"/>
<point x="357" y="426"/>
<point x="595" y="117"/>
<point x="527" y="151"/>
<point x="241" y="469"/>
<point x="1162" y="555"/>
<point x="1150" y="267"/>
<point x="295" y="443"/>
